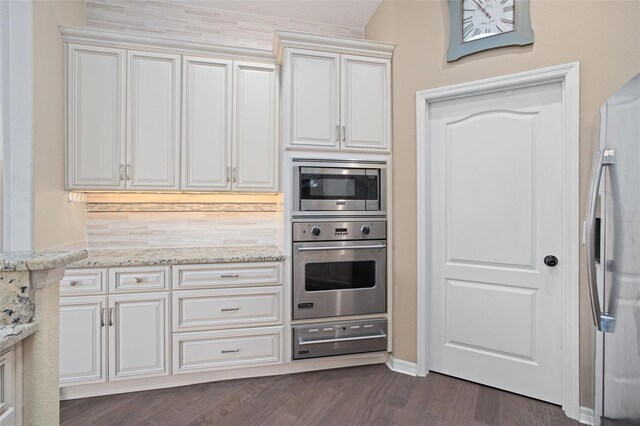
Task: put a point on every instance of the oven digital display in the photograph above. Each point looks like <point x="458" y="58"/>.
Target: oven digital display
<point x="341" y="230"/>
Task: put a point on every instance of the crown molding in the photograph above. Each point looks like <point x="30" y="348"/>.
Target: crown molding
<point x="160" y="44"/>
<point x="350" y="46"/>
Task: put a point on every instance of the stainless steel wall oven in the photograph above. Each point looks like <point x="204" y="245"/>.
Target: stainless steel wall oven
<point x="339" y="268"/>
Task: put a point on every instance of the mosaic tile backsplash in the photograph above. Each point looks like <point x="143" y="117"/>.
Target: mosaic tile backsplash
<point x="199" y="22"/>
<point x="117" y="230"/>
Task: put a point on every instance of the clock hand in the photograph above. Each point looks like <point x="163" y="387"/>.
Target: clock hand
<point x="482" y="9"/>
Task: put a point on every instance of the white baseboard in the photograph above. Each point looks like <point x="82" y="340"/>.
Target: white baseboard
<point x="402" y="366"/>
<point x="587" y="416"/>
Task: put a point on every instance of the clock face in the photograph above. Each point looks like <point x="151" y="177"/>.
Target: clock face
<point x="485" y="18"/>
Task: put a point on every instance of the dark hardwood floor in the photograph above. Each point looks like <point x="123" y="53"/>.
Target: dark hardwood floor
<point x="371" y="395"/>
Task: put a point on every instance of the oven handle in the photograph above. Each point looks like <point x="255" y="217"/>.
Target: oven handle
<point x="376" y="246"/>
<point x="302" y="342"/>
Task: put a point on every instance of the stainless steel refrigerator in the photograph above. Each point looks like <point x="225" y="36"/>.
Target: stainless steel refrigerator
<point x="613" y="258"/>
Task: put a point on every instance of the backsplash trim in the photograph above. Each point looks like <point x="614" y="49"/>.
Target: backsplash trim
<point x="180" y="207"/>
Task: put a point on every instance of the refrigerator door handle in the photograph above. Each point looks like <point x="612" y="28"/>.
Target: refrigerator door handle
<point x="604" y="157"/>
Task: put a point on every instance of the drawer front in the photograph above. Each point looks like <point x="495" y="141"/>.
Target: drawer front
<point x="227" y="275"/>
<point x="136" y="279"/>
<point x="225" y="308"/>
<point x="84" y="282"/>
<point x="214" y="350"/>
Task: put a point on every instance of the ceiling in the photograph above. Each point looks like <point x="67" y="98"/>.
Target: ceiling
<point x="348" y="13"/>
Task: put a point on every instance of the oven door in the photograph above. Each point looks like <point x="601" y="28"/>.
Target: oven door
<point x="336" y="278"/>
<point x="337" y="189"/>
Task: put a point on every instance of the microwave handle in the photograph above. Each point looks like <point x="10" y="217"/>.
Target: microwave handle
<point x="375" y="246"/>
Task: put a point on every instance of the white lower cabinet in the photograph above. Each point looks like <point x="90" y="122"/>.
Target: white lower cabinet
<point x="214" y="350"/>
<point x="203" y="321"/>
<point x="8" y="415"/>
<point x="138" y="337"/>
<point x="83" y="343"/>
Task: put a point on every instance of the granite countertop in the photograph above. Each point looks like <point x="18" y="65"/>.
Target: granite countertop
<point x="179" y="256"/>
<point x="39" y="260"/>
<point x="12" y="334"/>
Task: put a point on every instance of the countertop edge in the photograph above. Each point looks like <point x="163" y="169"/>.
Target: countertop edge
<point x="39" y="260"/>
<point x="12" y="334"/>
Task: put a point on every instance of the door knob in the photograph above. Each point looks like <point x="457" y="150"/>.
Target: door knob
<point x="550" y="260"/>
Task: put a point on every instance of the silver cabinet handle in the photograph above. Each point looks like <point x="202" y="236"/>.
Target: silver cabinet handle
<point x="603" y="158"/>
<point x="139" y="280"/>
<point x="303" y="342"/>
<point x="227" y="174"/>
<point x="344" y="133"/>
<point x="73" y="283"/>
<point x="111" y="315"/>
<point x="229" y="275"/>
<point x="235" y="174"/>
<point x="229" y="309"/>
<point x="102" y="320"/>
<point x="121" y="172"/>
<point x="337" y="133"/>
<point x="376" y="246"/>
<point x="229" y="351"/>
<point x="128" y="172"/>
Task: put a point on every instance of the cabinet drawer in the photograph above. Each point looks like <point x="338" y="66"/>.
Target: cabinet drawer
<point x="136" y="279"/>
<point x="227" y="275"/>
<point x="225" y="308"/>
<point x="84" y="281"/>
<point x="213" y="350"/>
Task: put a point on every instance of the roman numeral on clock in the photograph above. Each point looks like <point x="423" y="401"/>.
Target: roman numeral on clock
<point x="508" y="8"/>
<point x="507" y="21"/>
<point x="467" y="29"/>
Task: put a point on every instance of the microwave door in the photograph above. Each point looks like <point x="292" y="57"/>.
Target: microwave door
<point x="331" y="189"/>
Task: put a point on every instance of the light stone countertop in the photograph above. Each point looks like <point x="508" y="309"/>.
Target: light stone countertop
<point x="39" y="260"/>
<point x="12" y="334"/>
<point x="179" y="256"/>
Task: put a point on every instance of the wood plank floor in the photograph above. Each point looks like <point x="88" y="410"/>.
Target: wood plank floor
<point x="370" y="395"/>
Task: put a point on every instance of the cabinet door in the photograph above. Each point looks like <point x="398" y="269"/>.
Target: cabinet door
<point x="255" y="154"/>
<point x="312" y="99"/>
<point x="95" y="117"/>
<point x="206" y="124"/>
<point x="82" y="340"/>
<point x="366" y="97"/>
<point x="138" y="336"/>
<point x="8" y="388"/>
<point x="153" y="135"/>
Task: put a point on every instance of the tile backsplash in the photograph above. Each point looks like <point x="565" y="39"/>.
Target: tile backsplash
<point x="114" y="230"/>
<point x="200" y="22"/>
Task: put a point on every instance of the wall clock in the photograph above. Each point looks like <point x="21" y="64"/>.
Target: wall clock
<point x="477" y="25"/>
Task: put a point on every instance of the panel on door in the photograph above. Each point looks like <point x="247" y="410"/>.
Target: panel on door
<point x="255" y="147"/>
<point x="95" y="117"/>
<point x="496" y="212"/>
<point x="153" y="121"/>
<point x="366" y="100"/>
<point x="138" y="338"/>
<point x="206" y="124"/>
<point x="82" y="340"/>
<point x="313" y="98"/>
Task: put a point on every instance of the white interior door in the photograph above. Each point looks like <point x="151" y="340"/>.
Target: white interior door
<point x="496" y="212"/>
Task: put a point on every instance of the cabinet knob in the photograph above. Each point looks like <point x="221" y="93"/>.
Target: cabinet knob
<point x="139" y="280"/>
<point x="73" y="283"/>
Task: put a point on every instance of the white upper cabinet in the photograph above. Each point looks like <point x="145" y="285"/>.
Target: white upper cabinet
<point x="255" y="156"/>
<point x="96" y="82"/>
<point x="153" y="121"/>
<point x="206" y="124"/>
<point x="314" y="114"/>
<point x="153" y="138"/>
<point x="337" y="93"/>
<point x="366" y="99"/>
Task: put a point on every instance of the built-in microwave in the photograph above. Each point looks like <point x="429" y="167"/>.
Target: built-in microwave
<point x="339" y="187"/>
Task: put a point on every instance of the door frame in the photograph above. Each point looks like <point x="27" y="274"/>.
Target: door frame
<point x="569" y="76"/>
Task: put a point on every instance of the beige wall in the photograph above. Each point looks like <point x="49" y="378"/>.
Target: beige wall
<point x="603" y="35"/>
<point x="56" y="222"/>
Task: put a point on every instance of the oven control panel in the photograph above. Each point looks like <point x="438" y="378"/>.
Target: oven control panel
<point x="339" y="231"/>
